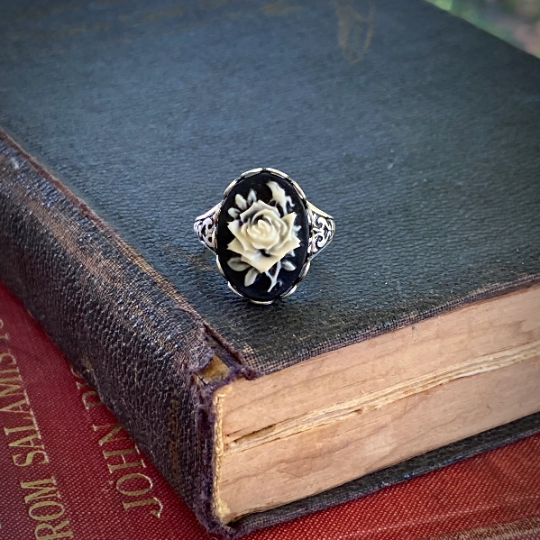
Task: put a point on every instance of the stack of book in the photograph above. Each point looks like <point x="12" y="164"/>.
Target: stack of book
<point x="69" y="470"/>
<point x="413" y="343"/>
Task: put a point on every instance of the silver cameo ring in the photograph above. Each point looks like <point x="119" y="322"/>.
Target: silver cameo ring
<point x="264" y="233"/>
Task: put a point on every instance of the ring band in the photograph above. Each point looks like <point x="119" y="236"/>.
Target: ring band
<point x="264" y="233"/>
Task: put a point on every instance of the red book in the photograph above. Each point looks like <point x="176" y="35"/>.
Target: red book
<point x="68" y="470"/>
<point x="120" y="125"/>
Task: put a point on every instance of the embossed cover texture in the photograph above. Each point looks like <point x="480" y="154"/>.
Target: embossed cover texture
<point x="418" y="132"/>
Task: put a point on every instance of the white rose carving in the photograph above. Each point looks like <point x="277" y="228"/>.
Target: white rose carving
<point x="262" y="235"/>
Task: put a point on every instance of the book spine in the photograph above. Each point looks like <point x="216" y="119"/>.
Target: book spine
<point x="139" y="347"/>
<point x="69" y="469"/>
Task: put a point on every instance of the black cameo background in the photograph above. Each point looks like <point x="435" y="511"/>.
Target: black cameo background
<point x="283" y="275"/>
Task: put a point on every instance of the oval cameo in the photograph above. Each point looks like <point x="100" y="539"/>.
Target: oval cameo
<point x="262" y="236"/>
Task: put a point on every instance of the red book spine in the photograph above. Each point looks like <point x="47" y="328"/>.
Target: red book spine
<point x="67" y="468"/>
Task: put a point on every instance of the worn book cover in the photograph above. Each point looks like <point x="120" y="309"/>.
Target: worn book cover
<point x="68" y="470"/>
<point x="67" y="467"/>
<point x="123" y="121"/>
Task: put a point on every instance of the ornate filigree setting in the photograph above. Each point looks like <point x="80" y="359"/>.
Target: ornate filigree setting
<point x="264" y="234"/>
<point x="322" y="231"/>
<point x="205" y="227"/>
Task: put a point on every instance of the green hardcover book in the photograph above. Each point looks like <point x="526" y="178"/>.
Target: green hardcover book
<point x="414" y="340"/>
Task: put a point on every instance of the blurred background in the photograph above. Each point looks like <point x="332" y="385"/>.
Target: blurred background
<point x="515" y="21"/>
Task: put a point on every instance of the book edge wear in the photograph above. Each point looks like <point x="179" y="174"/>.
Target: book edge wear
<point x="131" y="500"/>
<point x="94" y="483"/>
<point x="72" y="273"/>
<point x="101" y="303"/>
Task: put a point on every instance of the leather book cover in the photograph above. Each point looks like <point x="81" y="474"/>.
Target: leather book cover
<point x="69" y="471"/>
<point x="122" y="122"/>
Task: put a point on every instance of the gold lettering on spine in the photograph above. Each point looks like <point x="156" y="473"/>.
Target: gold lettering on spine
<point x="7" y="360"/>
<point x="90" y="397"/>
<point x="134" y="492"/>
<point x="42" y="489"/>
<point x="44" y="507"/>
<point x="132" y="484"/>
<point x="154" y="501"/>
<point x="14" y="403"/>
<point x="10" y="379"/>
<point x="28" y="442"/>
<point x="21" y="430"/>
<point x="12" y="390"/>
<point x="111" y="434"/>
<point x="8" y="430"/>
<point x="35" y="457"/>
<point x="5" y="371"/>
<point x="116" y="433"/>
<point x="3" y="336"/>
<point x="125" y="463"/>
<point x="18" y="407"/>
<point x="51" y="532"/>
<point x="120" y="454"/>
<point x="50" y="514"/>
